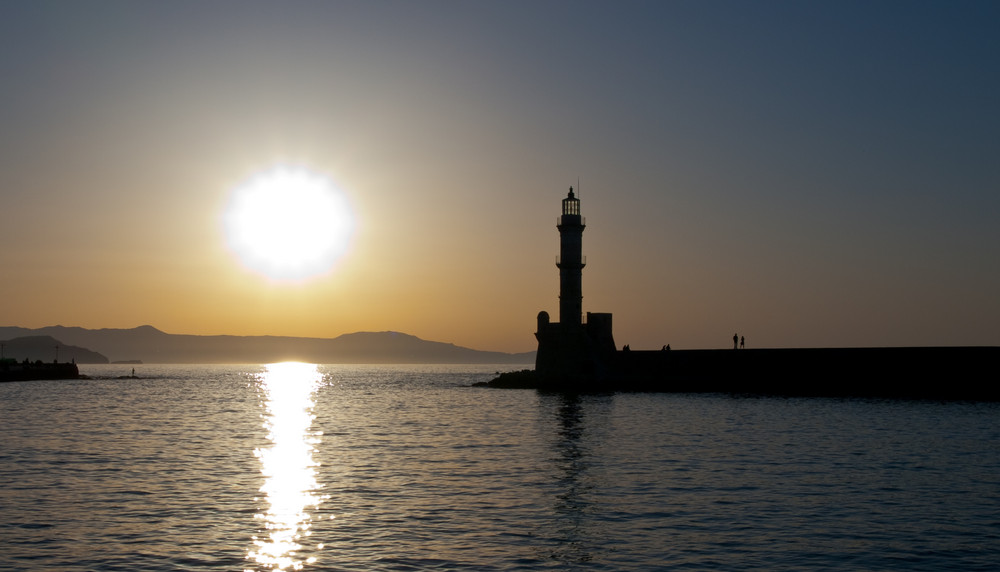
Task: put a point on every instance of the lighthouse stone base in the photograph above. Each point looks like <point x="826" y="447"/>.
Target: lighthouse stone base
<point x="575" y="354"/>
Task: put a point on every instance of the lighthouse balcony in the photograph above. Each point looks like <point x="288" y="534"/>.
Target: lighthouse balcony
<point x="569" y="263"/>
<point x="571" y="220"/>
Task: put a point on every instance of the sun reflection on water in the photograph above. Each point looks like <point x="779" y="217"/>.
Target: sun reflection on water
<point x="289" y="471"/>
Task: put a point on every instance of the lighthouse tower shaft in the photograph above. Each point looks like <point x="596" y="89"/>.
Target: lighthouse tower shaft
<point x="571" y="262"/>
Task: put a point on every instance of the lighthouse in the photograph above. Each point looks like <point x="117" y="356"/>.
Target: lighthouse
<point x="573" y="353"/>
<point x="571" y="262"/>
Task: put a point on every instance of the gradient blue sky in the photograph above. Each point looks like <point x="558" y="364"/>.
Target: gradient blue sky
<point x="804" y="173"/>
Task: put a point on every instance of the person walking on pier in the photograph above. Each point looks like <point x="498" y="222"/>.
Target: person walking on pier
<point x="736" y="340"/>
<point x="743" y="342"/>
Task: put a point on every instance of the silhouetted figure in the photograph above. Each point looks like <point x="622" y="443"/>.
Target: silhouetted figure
<point x="736" y="341"/>
<point x="626" y="348"/>
<point x="743" y="341"/>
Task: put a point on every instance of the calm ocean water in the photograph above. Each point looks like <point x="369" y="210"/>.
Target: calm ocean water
<point x="408" y="468"/>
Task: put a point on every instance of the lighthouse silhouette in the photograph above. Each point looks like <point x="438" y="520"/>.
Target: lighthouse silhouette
<point x="578" y="354"/>
<point x="573" y="350"/>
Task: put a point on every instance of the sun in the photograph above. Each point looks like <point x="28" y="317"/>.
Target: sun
<point x="288" y="224"/>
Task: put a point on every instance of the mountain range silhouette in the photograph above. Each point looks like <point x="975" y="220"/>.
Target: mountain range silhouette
<point x="150" y="345"/>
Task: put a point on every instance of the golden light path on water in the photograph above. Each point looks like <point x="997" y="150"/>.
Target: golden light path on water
<point x="290" y="485"/>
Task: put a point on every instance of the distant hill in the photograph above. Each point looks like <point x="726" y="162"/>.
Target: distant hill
<point x="43" y="348"/>
<point x="151" y="345"/>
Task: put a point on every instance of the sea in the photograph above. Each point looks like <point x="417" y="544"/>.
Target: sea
<point x="397" y="468"/>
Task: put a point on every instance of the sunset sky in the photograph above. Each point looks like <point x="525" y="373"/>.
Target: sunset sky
<point x="803" y="173"/>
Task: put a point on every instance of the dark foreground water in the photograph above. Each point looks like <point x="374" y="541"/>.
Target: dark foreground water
<point x="406" y="468"/>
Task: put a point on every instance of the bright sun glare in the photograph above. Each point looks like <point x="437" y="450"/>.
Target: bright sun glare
<point x="288" y="224"/>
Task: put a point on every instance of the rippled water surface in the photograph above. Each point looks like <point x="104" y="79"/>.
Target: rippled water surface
<point x="407" y="468"/>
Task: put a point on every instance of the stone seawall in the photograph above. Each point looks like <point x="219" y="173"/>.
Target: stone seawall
<point x="899" y="373"/>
